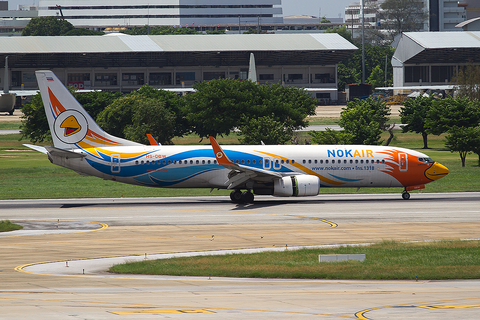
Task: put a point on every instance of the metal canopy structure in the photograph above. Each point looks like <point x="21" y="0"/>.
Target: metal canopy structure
<point x="174" y="50"/>
<point x="438" y="47"/>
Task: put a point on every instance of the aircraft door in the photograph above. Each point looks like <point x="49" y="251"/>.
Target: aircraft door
<point x="402" y="162"/>
<point x="115" y="164"/>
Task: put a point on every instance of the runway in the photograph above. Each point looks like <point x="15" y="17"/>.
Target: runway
<point x="68" y="231"/>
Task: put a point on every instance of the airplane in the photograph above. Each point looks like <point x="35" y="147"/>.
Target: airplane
<point x="81" y="145"/>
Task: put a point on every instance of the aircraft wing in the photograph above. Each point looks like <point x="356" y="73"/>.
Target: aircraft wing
<point x="28" y="93"/>
<point x="24" y="93"/>
<point x="240" y="173"/>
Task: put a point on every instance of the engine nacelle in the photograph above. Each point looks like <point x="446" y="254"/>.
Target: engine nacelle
<point x="296" y="186"/>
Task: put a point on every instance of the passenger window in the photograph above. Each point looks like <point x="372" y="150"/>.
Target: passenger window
<point x="293" y="161"/>
<point x="142" y="162"/>
<point x="191" y="161"/>
<point x="356" y="161"/>
<point x="248" y="161"/>
<point x="282" y="162"/>
<point x="136" y="162"/>
<point x="254" y="161"/>
<point x="304" y="161"/>
<point x="321" y="161"/>
<point x="169" y="161"/>
<point x="326" y="161"/>
<point x="203" y="161"/>
<point x="236" y="161"/>
<point x="288" y="161"/>
<point x="209" y="161"/>
<point x="351" y="161"/>
<point x="260" y="161"/>
<point x="345" y="161"/>
<point x="309" y="161"/>
<point x="164" y="162"/>
<point x="214" y="161"/>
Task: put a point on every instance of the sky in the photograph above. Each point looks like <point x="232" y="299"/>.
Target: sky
<point x="327" y="8"/>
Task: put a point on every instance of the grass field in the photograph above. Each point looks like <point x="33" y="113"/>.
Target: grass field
<point x="387" y="260"/>
<point x="26" y="174"/>
<point x="7" y="225"/>
<point x="10" y="125"/>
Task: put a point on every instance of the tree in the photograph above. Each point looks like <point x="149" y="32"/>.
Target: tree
<point x="468" y="81"/>
<point x="377" y="77"/>
<point x="133" y="116"/>
<point x="219" y="106"/>
<point x="264" y="129"/>
<point x="414" y="113"/>
<point x="365" y="120"/>
<point x="173" y="103"/>
<point x="34" y="121"/>
<point x="462" y="140"/>
<point x="119" y="114"/>
<point x="152" y="117"/>
<point x="94" y="102"/>
<point x="447" y="113"/>
<point x="330" y="136"/>
<point x="399" y="16"/>
<point x="47" y="26"/>
<point x="476" y="142"/>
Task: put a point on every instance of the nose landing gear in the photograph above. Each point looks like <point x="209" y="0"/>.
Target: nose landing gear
<point x="405" y="194"/>
<point x="237" y="196"/>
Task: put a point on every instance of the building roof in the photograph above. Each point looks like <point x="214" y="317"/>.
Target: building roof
<point x="438" y="47"/>
<point x="289" y="49"/>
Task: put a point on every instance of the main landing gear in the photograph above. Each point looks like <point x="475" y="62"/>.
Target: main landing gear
<point x="237" y="196"/>
<point x="405" y="194"/>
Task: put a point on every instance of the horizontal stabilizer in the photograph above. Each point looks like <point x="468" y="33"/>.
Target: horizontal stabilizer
<point x="36" y="148"/>
<point x="56" y="152"/>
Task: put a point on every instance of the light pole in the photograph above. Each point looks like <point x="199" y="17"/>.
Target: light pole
<point x="363" y="41"/>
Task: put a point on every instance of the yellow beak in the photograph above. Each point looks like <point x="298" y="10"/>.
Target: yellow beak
<point x="436" y="171"/>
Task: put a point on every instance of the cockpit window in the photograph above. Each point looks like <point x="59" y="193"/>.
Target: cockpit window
<point x="425" y="160"/>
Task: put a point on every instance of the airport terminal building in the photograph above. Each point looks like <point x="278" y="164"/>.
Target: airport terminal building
<point x="433" y="58"/>
<point x="126" y="13"/>
<point x="125" y="63"/>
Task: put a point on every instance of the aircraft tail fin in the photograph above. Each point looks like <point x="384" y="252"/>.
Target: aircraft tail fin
<point x="71" y="126"/>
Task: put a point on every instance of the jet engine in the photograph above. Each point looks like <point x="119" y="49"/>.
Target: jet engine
<point x="296" y="186"/>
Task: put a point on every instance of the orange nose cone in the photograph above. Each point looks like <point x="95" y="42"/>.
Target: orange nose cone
<point x="436" y="171"/>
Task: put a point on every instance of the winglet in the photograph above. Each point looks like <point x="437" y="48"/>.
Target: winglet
<point x="152" y="140"/>
<point x="220" y="155"/>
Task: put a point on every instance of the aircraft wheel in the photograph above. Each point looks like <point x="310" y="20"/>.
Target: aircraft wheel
<point x="11" y="112"/>
<point x="405" y="195"/>
<point x="247" y="197"/>
<point x="236" y="196"/>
